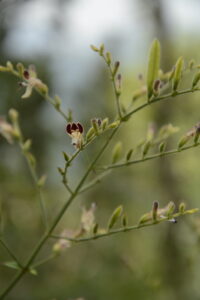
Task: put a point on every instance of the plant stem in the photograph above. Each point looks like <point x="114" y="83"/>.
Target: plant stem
<point x="132" y="162"/>
<point x="124" y="229"/>
<point x="157" y="99"/>
<point x="57" y="219"/>
<point x="116" y="92"/>
<point x="35" y="179"/>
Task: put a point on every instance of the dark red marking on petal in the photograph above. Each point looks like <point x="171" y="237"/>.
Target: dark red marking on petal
<point x="74" y="126"/>
<point x="80" y="127"/>
<point x="26" y="74"/>
<point x="69" y="128"/>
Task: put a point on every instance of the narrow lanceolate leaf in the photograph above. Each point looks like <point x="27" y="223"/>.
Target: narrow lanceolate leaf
<point x="183" y="141"/>
<point x="12" y="265"/>
<point x="162" y="147"/>
<point x="146" y="148"/>
<point x="129" y="154"/>
<point x="196" y="80"/>
<point x="177" y="73"/>
<point x="114" y="217"/>
<point x="153" y="66"/>
<point x="90" y="134"/>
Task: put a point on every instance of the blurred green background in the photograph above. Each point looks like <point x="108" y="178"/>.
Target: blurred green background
<point x="161" y="262"/>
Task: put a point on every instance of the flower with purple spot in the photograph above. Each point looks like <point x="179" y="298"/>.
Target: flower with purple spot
<point x="75" y="131"/>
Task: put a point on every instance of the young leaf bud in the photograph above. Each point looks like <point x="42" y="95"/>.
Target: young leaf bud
<point x="129" y="154"/>
<point x="66" y="156"/>
<point x="13" y="115"/>
<point x="153" y="66"/>
<point x="191" y="64"/>
<point x="182" y="207"/>
<point x="115" y="68"/>
<point x="197" y="133"/>
<point x="145" y="218"/>
<point x="195" y="80"/>
<point x="41" y="181"/>
<point x="146" y="148"/>
<point x="183" y="141"/>
<point x="20" y="68"/>
<point x="108" y="58"/>
<point x="9" y="66"/>
<point x="61" y="171"/>
<point x="104" y="123"/>
<point x="162" y="147"/>
<point x="116" y="153"/>
<point x="156" y="87"/>
<point x="101" y="49"/>
<point x="57" y="102"/>
<point x="94" y="48"/>
<point x="27" y="145"/>
<point x="114" y="124"/>
<point x="95" y="228"/>
<point x="115" y="216"/>
<point x="31" y="159"/>
<point x="90" y="134"/>
<point x="177" y="73"/>
<point x="154" y="210"/>
<point x="170" y="209"/>
<point x="124" y="220"/>
<point x="95" y="126"/>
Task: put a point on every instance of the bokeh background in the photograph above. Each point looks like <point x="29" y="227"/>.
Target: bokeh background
<point x="161" y="262"/>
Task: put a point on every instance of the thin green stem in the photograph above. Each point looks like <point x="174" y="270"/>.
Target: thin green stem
<point x="57" y="219"/>
<point x="35" y="179"/>
<point x="132" y="162"/>
<point x="126" y="228"/>
<point x="43" y="261"/>
<point x="116" y="92"/>
<point x="93" y="182"/>
<point x="157" y="99"/>
<point x="10" y="252"/>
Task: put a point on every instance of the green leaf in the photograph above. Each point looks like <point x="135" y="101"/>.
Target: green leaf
<point x="146" y="148"/>
<point x="162" y="147"/>
<point x="33" y="271"/>
<point x="12" y="264"/>
<point x="115" y="216"/>
<point x="153" y="66"/>
<point x="177" y="73"/>
<point x="196" y="80"/>
<point x="183" y="141"/>
<point x="90" y="134"/>
<point x="129" y="154"/>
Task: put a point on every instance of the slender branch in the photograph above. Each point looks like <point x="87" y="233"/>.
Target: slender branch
<point x="116" y="91"/>
<point x="132" y="162"/>
<point x="57" y="219"/>
<point x="36" y="179"/>
<point x="157" y="99"/>
<point x="126" y="228"/>
<point x="10" y="252"/>
<point x="93" y="182"/>
<point x="43" y="261"/>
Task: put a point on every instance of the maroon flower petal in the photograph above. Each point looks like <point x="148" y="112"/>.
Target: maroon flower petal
<point x="74" y="126"/>
<point x="69" y="128"/>
<point x="26" y="74"/>
<point x="80" y="127"/>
